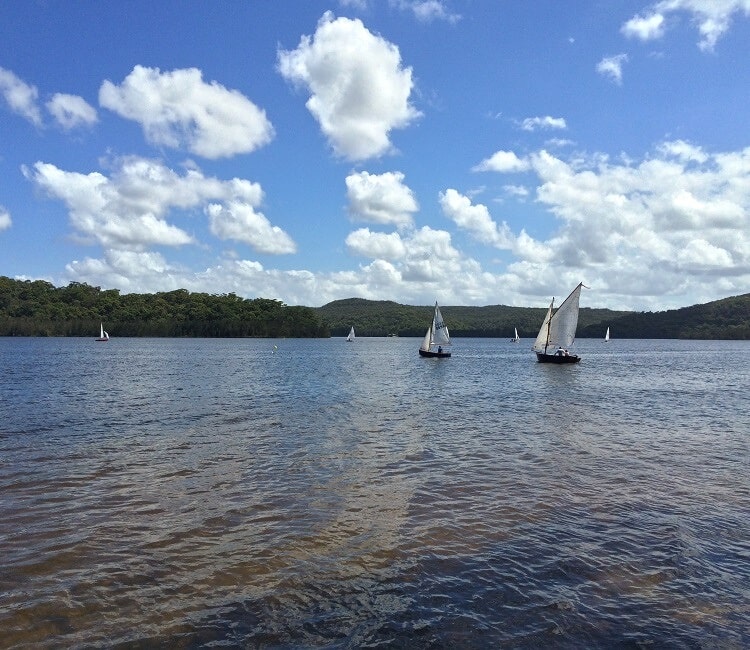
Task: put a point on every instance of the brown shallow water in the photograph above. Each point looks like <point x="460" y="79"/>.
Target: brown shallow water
<point x="223" y="493"/>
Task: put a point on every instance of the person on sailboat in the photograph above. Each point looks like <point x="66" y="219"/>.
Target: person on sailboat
<point x="440" y="349"/>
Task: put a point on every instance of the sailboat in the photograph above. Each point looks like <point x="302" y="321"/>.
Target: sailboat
<point x="103" y="336"/>
<point x="606" y="336"/>
<point x="558" y="331"/>
<point x="515" y="338"/>
<point x="350" y="338"/>
<point x="436" y="337"/>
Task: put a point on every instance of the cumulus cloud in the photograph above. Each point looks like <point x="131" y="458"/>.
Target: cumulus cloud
<point x="476" y="219"/>
<point x="546" y="122"/>
<point x="502" y="161"/>
<point x="71" y="111"/>
<point x="178" y="109"/>
<point x="5" y="220"/>
<point x="645" y="28"/>
<point x="359" y="90"/>
<point x="611" y="67"/>
<point x="664" y="213"/>
<point x="376" y="245"/>
<point x="20" y="97"/>
<point x="240" y="221"/>
<point x="713" y="18"/>
<point x="380" y="198"/>
<point x="128" y="211"/>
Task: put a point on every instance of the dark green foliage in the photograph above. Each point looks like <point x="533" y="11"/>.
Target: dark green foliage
<point x="40" y="309"/>
<point x="385" y="318"/>
<point x="722" y="319"/>
<point x="728" y="318"/>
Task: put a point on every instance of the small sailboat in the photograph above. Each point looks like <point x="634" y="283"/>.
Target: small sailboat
<point x="350" y="338"/>
<point x="558" y="331"/>
<point x="437" y="336"/>
<point x="103" y="336"/>
<point x="515" y="338"/>
<point x="606" y="336"/>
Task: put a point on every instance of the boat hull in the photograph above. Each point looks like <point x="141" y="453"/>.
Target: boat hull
<point x="557" y="358"/>
<point x="436" y="355"/>
<point x="101" y="340"/>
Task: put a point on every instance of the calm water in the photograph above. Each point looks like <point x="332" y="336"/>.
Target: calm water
<point x="223" y="493"/>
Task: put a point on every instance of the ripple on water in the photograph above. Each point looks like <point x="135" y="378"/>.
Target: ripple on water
<point x="198" y="493"/>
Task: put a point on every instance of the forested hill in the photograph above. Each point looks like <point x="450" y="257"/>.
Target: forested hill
<point x="728" y="318"/>
<point x="40" y="309"/>
<point x="722" y="319"/>
<point x="37" y="308"/>
<point x="386" y="318"/>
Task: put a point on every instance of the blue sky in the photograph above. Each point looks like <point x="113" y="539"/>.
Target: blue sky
<point x="467" y="151"/>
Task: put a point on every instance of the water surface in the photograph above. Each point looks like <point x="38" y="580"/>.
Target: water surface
<point x="318" y="493"/>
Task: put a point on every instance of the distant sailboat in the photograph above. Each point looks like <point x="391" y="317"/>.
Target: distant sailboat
<point x="103" y="336"/>
<point x="606" y="336"/>
<point x="558" y="331"/>
<point x="436" y="337"/>
<point x="350" y="338"/>
<point x="515" y="338"/>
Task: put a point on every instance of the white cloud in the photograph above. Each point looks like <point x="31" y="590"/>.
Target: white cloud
<point x="20" y="97"/>
<point x="516" y="190"/>
<point x="5" y="220"/>
<point x="128" y="211"/>
<point x="178" y="109"/>
<point x="611" y="67"/>
<point x="713" y="18"/>
<point x="427" y="10"/>
<point x="239" y="221"/>
<point x="642" y="234"/>
<point x="359" y="89"/>
<point x="475" y="219"/>
<point x="644" y="27"/>
<point x="546" y="122"/>
<point x="502" y="161"/>
<point x="376" y="245"/>
<point x="380" y="198"/>
<point x="71" y="111"/>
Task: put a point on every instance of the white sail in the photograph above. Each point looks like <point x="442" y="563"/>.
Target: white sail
<point x="559" y="329"/>
<point x="440" y="335"/>
<point x="426" y="340"/>
<point x="541" y="338"/>
<point x="351" y="334"/>
<point x="606" y="336"/>
<point x="516" y="337"/>
<point x="437" y="334"/>
<point x="103" y="336"/>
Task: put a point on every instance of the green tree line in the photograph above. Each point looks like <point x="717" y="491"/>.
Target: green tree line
<point x="728" y="318"/>
<point x="38" y="308"/>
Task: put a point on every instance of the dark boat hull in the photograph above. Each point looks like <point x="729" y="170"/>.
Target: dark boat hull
<point x="557" y="358"/>
<point x="437" y="355"/>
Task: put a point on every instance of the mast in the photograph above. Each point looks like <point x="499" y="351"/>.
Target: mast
<point x="549" y="322"/>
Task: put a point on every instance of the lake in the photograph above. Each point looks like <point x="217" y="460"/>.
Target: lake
<point x="191" y="493"/>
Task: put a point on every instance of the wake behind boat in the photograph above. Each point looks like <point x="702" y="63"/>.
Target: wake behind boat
<point x="436" y="337"/>
<point x="558" y="331"/>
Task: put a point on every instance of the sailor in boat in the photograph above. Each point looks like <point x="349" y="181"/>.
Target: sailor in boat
<point x="440" y="349"/>
<point x="562" y="352"/>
